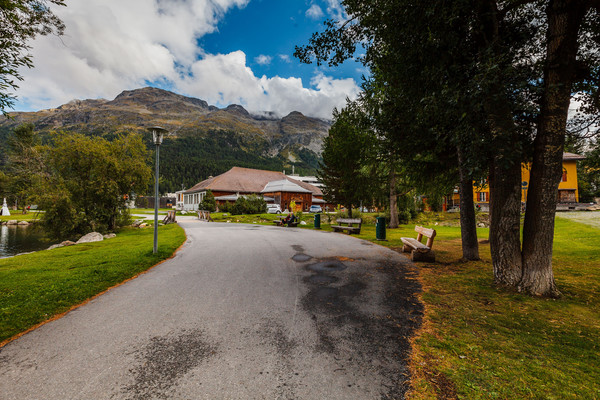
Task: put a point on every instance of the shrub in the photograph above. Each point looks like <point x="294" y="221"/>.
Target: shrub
<point x="208" y="203"/>
<point x="252" y="204"/>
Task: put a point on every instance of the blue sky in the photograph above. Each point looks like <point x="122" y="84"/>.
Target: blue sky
<point x="222" y="51"/>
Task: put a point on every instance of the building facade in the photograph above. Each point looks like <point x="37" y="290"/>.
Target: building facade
<point x="274" y="186"/>
<point x="567" y="188"/>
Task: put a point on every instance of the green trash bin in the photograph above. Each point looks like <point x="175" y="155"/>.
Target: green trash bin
<point x="317" y="221"/>
<point x="380" y="228"/>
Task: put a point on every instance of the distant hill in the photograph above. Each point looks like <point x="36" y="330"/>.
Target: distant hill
<point x="206" y="140"/>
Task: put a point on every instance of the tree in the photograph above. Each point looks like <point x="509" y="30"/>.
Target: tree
<point x="25" y="164"/>
<point x="343" y="170"/>
<point x="89" y="180"/>
<point x="589" y="173"/>
<point x="208" y="202"/>
<point x="21" y="21"/>
<point x="515" y="64"/>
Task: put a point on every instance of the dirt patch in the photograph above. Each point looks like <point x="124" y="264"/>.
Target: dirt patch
<point x="164" y="360"/>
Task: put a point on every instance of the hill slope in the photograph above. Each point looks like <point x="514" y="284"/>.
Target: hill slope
<point x="205" y="140"/>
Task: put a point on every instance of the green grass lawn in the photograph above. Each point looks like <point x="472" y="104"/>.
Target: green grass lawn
<point x="19" y="216"/>
<point x="481" y="342"/>
<point x="35" y="287"/>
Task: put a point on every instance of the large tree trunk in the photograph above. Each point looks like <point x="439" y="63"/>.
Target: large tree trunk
<point x="505" y="219"/>
<point x="394" y="222"/>
<point x="468" y="225"/>
<point x="564" y="20"/>
<point x="505" y="166"/>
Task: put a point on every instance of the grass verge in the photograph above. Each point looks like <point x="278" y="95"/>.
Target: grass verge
<point x="481" y="342"/>
<point x="35" y="287"/>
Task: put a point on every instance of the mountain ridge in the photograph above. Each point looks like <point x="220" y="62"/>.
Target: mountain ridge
<point x="205" y="140"/>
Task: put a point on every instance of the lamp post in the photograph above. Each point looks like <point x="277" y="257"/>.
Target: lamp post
<point x="157" y="138"/>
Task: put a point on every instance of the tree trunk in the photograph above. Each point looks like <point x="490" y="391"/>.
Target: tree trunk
<point x="564" y="20"/>
<point x="505" y="166"/>
<point x="349" y="207"/>
<point x="468" y="225"/>
<point x="394" y="222"/>
<point x="505" y="220"/>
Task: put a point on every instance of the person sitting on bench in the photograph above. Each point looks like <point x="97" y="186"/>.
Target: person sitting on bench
<point x="290" y="219"/>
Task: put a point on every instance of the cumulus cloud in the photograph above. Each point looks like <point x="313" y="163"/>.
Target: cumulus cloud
<point x="285" y="58"/>
<point x="263" y="60"/>
<point x="111" y="45"/>
<point x="226" y="79"/>
<point x="314" y="12"/>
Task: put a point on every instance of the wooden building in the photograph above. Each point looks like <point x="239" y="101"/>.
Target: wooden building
<point x="275" y="186"/>
<point x="567" y="188"/>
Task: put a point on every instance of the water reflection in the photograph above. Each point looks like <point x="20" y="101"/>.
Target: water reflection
<point x="16" y="239"/>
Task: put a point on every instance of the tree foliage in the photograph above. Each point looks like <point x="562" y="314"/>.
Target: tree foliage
<point x="89" y="180"/>
<point x="20" y="22"/>
<point x="492" y="81"/>
<point x="345" y="171"/>
<point x="208" y="202"/>
<point x="26" y="165"/>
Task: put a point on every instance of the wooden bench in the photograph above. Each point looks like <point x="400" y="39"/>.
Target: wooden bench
<point x="350" y="222"/>
<point x="419" y="251"/>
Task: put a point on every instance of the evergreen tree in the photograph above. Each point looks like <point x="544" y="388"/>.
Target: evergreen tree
<point x="208" y="203"/>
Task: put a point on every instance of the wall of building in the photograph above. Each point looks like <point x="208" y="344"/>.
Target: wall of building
<point x="568" y="191"/>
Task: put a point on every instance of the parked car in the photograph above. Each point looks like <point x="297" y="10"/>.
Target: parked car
<point x="273" y="209"/>
<point x="315" y="209"/>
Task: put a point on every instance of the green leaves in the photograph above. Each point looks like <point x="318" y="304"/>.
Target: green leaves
<point x="89" y="181"/>
<point x="20" y="22"/>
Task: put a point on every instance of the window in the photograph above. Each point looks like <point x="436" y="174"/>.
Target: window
<point x="564" y="175"/>
<point x="482" y="196"/>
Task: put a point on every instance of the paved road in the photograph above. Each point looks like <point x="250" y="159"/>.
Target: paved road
<point x="241" y="312"/>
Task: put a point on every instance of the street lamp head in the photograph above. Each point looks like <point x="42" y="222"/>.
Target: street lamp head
<point x="157" y="134"/>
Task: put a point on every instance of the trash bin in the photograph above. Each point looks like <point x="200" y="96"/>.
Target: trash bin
<point x="317" y="221"/>
<point x="380" y="228"/>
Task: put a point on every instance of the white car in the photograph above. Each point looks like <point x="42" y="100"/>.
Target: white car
<point x="273" y="209"/>
<point x="315" y="209"/>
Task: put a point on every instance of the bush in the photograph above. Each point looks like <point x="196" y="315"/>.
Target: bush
<point x="252" y="204"/>
<point x="208" y="203"/>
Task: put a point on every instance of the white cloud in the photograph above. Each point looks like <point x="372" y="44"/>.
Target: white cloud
<point x="225" y="79"/>
<point x="335" y="10"/>
<point x="285" y="58"/>
<point x="314" y="12"/>
<point x="263" y="60"/>
<point x="114" y="45"/>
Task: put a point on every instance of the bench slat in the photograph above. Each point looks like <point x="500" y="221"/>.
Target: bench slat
<point x="430" y="233"/>
<point x="414" y="243"/>
<point x="349" y="221"/>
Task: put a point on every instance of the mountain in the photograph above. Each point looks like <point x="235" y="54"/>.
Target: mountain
<point x="205" y="140"/>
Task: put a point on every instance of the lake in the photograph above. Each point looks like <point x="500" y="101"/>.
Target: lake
<point x="15" y="239"/>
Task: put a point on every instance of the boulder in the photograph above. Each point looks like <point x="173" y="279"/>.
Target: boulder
<point x="62" y="244"/>
<point x="110" y="235"/>
<point x="91" y="237"/>
<point x="12" y="222"/>
<point x="137" y="223"/>
<point x="142" y="225"/>
<point x="24" y="223"/>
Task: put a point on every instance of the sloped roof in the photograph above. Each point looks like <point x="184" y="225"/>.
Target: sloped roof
<point x="572" y="157"/>
<point x="284" y="185"/>
<point x="247" y="180"/>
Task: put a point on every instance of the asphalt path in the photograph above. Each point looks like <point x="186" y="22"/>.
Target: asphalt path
<point x="241" y="312"/>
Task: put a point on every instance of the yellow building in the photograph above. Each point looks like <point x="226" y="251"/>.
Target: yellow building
<point x="567" y="188"/>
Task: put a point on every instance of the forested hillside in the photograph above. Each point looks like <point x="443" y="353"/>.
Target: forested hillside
<point x="205" y="140"/>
